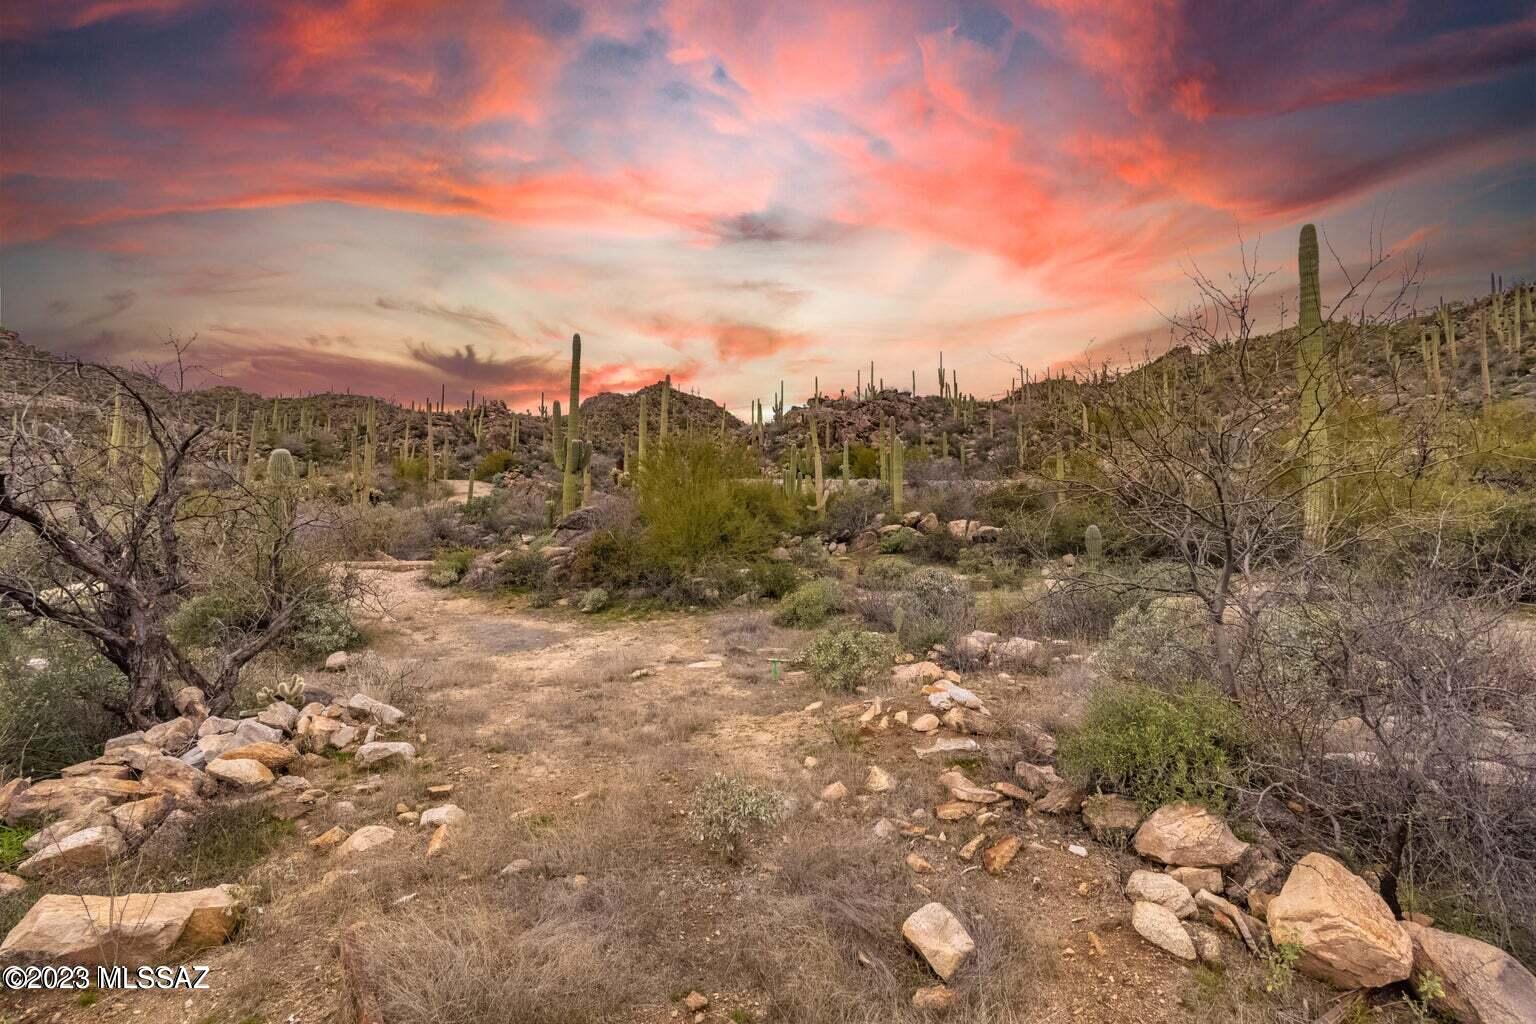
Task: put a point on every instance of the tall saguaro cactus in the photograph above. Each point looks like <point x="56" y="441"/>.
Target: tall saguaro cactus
<point x="1311" y="373"/>
<point x="570" y="491"/>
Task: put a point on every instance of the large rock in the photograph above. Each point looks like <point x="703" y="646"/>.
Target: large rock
<point x="1110" y="818"/>
<point x="1160" y="926"/>
<point x="1019" y="653"/>
<point x="89" y="848"/>
<point x="369" y="837"/>
<point x="172" y="737"/>
<point x="9" y="792"/>
<point x="279" y="715"/>
<point x="1347" y="934"/>
<point x="252" y="731"/>
<point x="275" y="756"/>
<point x="135" y="820"/>
<point x="444" y="814"/>
<point x="53" y="799"/>
<point x="1185" y="835"/>
<point x="337" y="661"/>
<point x="242" y="773"/>
<point x="170" y="775"/>
<point x="384" y="714"/>
<point x="214" y="726"/>
<point x="1062" y="798"/>
<point x="1165" y="891"/>
<point x="385" y="755"/>
<point x="133" y="930"/>
<point x="940" y="937"/>
<point x="1482" y="983"/>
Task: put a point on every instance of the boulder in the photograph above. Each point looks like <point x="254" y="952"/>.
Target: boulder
<point x="1161" y="927"/>
<point x="241" y="773"/>
<point x="135" y="820"/>
<point x="1110" y="818"/>
<point x="279" y="715"/>
<point x="130" y="739"/>
<point x="939" y="937"/>
<point x="133" y="930"/>
<point x="444" y="814"/>
<point x="161" y="774"/>
<point x="213" y="725"/>
<point x="917" y="674"/>
<point x="1019" y="653"/>
<point x="1062" y="798"/>
<point x="9" y="792"/>
<point x="1482" y="983"/>
<point x="1165" y="891"/>
<point x="1347" y="934"/>
<point x="1037" y="778"/>
<point x="169" y="838"/>
<point x="54" y="799"/>
<point x="929" y="523"/>
<point x="192" y="702"/>
<point x="1195" y="879"/>
<point x="172" y="737"/>
<point x="385" y="755"/>
<point x="89" y="848"/>
<point x="384" y="714"/>
<point x="1186" y="835"/>
<point x="216" y="743"/>
<point x="337" y="661"/>
<point x="276" y="756"/>
<point x="252" y="731"/>
<point x="369" y="837"/>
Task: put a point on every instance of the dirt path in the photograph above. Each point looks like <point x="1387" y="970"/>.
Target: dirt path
<point x="574" y="743"/>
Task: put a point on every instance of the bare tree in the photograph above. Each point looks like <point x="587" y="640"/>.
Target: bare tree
<point x="99" y="514"/>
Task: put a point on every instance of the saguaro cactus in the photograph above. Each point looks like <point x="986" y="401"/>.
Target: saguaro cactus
<point x="1093" y="546"/>
<point x="898" y="473"/>
<point x="570" y="491"/>
<point x="1311" y="374"/>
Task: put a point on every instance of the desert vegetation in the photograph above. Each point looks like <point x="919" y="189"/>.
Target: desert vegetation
<point x="1211" y="674"/>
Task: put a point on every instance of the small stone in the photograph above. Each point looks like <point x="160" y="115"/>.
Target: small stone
<point x="1195" y="879"/>
<point x="337" y="662"/>
<point x="696" y="1001"/>
<point x="944" y="745"/>
<point x="445" y="814"/>
<point x="385" y="755"/>
<point x="1077" y="851"/>
<point x="10" y="884"/>
<point x="1165" y="891"/>
<point x="438" y="841"/>
<point x="1161" y="927"/>
<point x="369" y="837"/>
<point x="939" y="937"/>
<point x="955" y="810"/>
<point x="1187" y="835"/>
<point x="878" y="780"/>
<point x="934" y="998"/>
<point x="1011" y="791"/>
<point x="329" y="838"/>
<point x="925" y="723"/>
<point x="809" y="762"/>
<point x="385" y="714"/>
<point x="999" y="855"/>
<point x="279" y="715"/>
<point x="834" y="792"/>
<point x="815" y="705"/>
<point x="1111" y="819"/>
<point x="918" y="863"/>
<point x="968" y="851"/>
<point x="276" y="756"/>
<point x="517" y="867"/>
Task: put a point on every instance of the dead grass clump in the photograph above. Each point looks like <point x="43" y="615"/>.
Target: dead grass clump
<point x="465" y="962"/>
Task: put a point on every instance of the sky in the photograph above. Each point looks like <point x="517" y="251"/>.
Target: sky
<point x="398" y="196"/>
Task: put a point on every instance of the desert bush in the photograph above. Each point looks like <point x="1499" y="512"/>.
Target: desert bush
<point x="696" y="509"/>
<point x="933" y="606"/>
<point x="450" y="566"/>
<point x="388" y="529"/>
<point x="521" y="570"/>
<point x="848" y="658"/>
<point x="773" y="579"/>
<point x="321" y="623"/>
<point x="1064" y="612"/>
<point x="492" y="463"/>
<point x="809" y="605"/>
<point x="939" y="546"/>
<point x="900" y="541"/>
<point x="54" y="693"/>
<point x="726" y="810"/>
<point x="885" y="573"/>
<point x="1166" y="642"/>
<point x="851" y="510"/>
<point x="1155" y="746"/>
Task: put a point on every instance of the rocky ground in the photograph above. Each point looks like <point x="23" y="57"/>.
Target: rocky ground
<point x="531" y="859"/>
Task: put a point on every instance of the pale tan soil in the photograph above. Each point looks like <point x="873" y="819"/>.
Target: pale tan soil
<point x="549" y="742"/>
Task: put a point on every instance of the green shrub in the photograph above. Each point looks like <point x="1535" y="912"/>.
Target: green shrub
<point x="320" y="626"/>
<point x="885" y="573"/>
<point x="492" y="463"/>
<point x="725" y="810"/>
<point x="900" y="541"/>
<point x="1156" y="747"/>
<point x="853" y="510"/>
<point x="1165" y="643"/>
<point x="933" y="606"/>
<point x="848" y="658"/>
<point x="521" y="570"/>
<point x="696" y="509"/>
<point x="450" y="566"/>
<point x="53" y="692"/>
<point x="12" y="852"/>
<point x="773" y="579"/>
<point x="810" y="605"/>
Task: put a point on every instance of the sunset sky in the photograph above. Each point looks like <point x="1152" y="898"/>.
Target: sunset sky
<point x="393" y="195"/>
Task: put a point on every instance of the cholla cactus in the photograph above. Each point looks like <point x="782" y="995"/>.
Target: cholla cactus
<point x="291" y="692"/>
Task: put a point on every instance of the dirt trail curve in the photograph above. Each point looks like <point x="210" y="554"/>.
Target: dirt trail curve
<point x="575" y="742"/>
